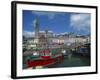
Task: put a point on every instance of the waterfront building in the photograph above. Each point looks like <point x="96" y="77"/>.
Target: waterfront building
<point x="46" y="38"/>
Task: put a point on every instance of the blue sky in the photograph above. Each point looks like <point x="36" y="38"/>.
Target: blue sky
<point x="58" y="22"/>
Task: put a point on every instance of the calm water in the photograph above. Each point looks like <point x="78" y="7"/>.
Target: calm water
<point x="73" y="61"/>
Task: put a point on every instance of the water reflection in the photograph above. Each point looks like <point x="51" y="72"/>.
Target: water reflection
<point x="72" y="61"/>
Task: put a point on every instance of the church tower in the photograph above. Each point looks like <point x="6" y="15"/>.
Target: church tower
<point x="36" y="28"/>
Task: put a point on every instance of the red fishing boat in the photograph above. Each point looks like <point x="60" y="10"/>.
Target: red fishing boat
<point x="45" y="58"/>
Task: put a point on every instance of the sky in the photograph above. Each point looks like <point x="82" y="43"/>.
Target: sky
<point x="58" y="22"/>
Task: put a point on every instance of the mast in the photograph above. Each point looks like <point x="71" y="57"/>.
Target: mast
<point x="47" y="45"/>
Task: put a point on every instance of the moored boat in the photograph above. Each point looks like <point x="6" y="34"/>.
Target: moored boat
<point x="45" y="58"/>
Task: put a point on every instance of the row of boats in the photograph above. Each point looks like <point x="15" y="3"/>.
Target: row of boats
<point x="47" y="57"/>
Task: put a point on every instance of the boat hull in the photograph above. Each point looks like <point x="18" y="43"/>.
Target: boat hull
<point x="44" y="62"/>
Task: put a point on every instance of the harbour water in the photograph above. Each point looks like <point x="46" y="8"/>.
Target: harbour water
<point x="72" y="61"/>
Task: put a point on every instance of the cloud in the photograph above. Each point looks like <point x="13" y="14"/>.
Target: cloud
<point x="50" y="15"/>
<point x="80" y="22"/>
<point x="28" y="34"/>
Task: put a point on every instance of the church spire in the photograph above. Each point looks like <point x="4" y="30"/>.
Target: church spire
<point x="36" y="27"/>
